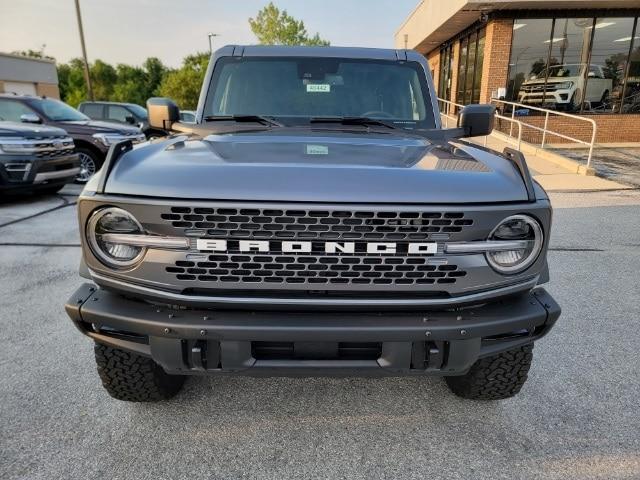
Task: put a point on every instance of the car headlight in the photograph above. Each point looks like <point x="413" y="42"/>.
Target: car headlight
<point x="109" y="221"/>
<point x="564" y="86"/>
<point x="108" y="139"/>
<point x="527" y="233"/>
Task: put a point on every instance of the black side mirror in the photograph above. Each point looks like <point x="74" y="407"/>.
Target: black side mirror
<point x="130" y="119"/>
<point x="477" y="120"/>
<point x="162" y="113"/>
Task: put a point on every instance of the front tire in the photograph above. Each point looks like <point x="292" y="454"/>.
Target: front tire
<point x="494" y="378"/>
<point x="133" y="378"/>
<point x="90" y="163"/>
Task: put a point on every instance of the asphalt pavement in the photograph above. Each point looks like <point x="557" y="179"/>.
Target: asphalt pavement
<point x="578" y="416"/>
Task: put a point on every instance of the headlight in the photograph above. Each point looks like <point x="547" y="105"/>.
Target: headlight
<point x="105" y="222"/>
<point x="108" y="139"/>
<point x="522" y="229"/>
<point x="564" y="86"/>
<point x="15" y="146"/>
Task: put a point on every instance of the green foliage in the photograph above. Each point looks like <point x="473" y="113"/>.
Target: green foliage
<point x="183" y="85"/>
<point x="32" y="54"/>
<point x="123" y="83"/>
<point x="274" y="27"/>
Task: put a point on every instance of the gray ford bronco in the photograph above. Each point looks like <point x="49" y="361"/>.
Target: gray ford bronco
<point x="316" y="219"/>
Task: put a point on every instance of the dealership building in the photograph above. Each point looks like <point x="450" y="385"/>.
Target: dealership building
<point x="28" y="76"/>
<point x="576" y="56"/>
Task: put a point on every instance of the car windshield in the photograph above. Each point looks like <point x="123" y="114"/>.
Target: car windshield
<point x="560" y="71"/>
<point x="301" y="89"/>
<point x="58" y="111"/>
<point x="139" y="111"/>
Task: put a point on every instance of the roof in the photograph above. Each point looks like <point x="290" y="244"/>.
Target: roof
<point x="302" y="51"/>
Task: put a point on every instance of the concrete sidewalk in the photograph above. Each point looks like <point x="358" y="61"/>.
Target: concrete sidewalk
<point x="554" y="172"/>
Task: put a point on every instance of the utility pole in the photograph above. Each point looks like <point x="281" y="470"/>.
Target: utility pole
<point x="87" y="78"/>
<point x="210" y="35"/>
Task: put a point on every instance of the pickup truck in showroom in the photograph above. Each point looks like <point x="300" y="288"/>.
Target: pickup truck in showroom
<point x="316" y="219"/>
<point x="35" y="158"/>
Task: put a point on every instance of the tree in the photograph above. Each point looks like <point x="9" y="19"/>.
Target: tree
<point x="183" y="85"/>
<point x="33" y="54"/>
<point x="274" y="27"/>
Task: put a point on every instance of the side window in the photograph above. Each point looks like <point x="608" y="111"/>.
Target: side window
<point x="10" y="110"/>
<point x="118" y="113"/>
<point x="93" y="110"/>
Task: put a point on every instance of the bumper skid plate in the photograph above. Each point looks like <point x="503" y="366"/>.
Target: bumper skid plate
<point x="188" y="341"/>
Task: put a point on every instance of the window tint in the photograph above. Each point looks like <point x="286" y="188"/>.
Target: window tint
<point x="305" y="88"/>
<point x="93" y="110"/>
<point x="10" y="110"/>
<point x="470" y="67"/>
<point x="118" y="113"/>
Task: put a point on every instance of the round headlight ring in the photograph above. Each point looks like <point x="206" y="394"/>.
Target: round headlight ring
<point x="94" y="243"/>
<point x="531" y="255"/>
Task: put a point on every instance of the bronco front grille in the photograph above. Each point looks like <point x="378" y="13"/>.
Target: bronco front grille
<point x="316" y="269"/>
<point x="317" y="224"/>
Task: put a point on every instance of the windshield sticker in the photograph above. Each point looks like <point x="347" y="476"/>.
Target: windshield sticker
<point x="318" y="88"/>
<point x="317" y="150"/>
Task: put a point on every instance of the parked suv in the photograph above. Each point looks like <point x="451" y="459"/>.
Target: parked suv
<point x="35" y="158"/>
<point x="562" y="87"/>
<point x="124" y="113"/>
<point x="315" y="220"/>
<point x="92" y="138"/>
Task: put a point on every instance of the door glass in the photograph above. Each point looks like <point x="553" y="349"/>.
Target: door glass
<point x="93" y="111"/>
<point x="11" y="111"/>
<point x="118" y="113"/>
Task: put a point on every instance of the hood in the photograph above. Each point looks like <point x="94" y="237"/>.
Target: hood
<point x="28" y="130"/>
<point x="96" y="126"/>
<point x="330" y="166"/>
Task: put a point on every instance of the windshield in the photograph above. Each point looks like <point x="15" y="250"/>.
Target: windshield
<point x="139" y="111"/>
<point x="58" y="111"/>
<point x="560" y="71"/>
<point x="299" y="89"/>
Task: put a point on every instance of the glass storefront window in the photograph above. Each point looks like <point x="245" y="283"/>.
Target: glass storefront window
<point x="631" y="102"/>
<point x="470" y="67"/>
<point x="444" y="78"/>
<point x="529" y="54"/>
<point x="609" y="58"/>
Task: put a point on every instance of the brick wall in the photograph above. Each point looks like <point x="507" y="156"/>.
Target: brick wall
<point x="610" y="129"/>
<point x="495" y="68"/>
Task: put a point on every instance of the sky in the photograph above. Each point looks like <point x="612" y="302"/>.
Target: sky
<point x="129" y="31"/>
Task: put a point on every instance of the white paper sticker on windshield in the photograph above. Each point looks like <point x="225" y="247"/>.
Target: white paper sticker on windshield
<point x="318" y="87"/>
<point x="317" y="150"/>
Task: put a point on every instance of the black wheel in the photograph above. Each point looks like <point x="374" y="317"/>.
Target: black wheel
<point x="90" y="163"/>
<point x="494" y="378"/>
<point x="134" y="378"/>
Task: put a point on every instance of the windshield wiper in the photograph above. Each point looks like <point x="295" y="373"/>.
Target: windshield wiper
<point x="244" y="118"/>
<point x="353" y="121"/>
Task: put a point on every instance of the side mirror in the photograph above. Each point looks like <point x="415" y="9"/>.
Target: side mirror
<point x="592" y="75"/>
<point x="30" y="118"/>
<point x="477" y="120"/>
<point x="130" y="119"/>
<point x="162" y="113"/>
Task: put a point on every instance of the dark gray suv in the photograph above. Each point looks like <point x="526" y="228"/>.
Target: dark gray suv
<point x="315" y="220"/>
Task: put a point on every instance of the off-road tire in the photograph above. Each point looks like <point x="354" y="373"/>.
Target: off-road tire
<point x="494" y="378"/>
<point x="134" y="378"/>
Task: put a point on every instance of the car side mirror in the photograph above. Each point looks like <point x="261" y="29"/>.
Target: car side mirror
<point x="130" y="119"/>
<point x="592" y="75"/>
<point x="30" y="118"/>
<point x="477" y="120"/>
<point x="162" y="113"/>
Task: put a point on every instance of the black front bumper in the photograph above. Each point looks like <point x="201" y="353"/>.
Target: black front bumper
<point x="39" y="172"/>
<point x="186" y="341"/>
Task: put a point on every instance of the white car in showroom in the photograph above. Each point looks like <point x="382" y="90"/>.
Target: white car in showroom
<point x="564" y="87"/>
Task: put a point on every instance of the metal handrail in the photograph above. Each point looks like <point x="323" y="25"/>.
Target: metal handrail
<point x="545" y="130"/>
<point x="513" y="121"/>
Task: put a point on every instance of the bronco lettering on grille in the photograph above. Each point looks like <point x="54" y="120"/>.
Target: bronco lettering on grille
<point x="264" y="246"/>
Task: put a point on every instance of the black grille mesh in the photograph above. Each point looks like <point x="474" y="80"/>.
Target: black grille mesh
<point x="232" y="223"/>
